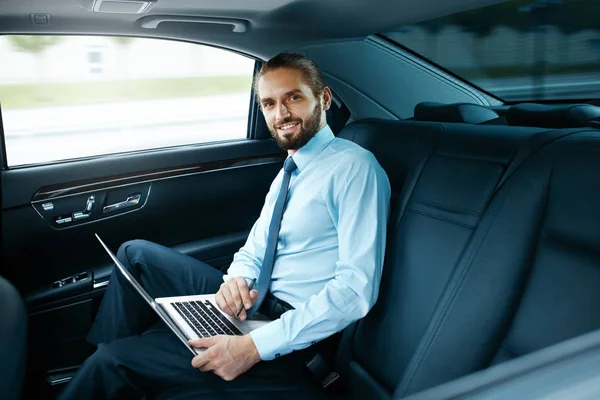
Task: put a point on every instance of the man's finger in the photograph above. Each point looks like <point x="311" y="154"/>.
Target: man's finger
<point x="230" y="295"/>
<point x="244" y="292"/>
<point x="235" y="296"/>
<point x="221" y="302"/>
<point x="203" y="343"/>
<point x="200" y="360"/>
<point x="206" y="367"/>
<point x="253" y="296"/>
<point x="227" y="297"/>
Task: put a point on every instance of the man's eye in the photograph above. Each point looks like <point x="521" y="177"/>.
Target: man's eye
<point x="267" y="105"/>
<point x="295" y="97"/>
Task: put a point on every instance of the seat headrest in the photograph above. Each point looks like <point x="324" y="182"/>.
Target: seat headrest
<point x="553" y="116"/>
<point x="457" y="112"/>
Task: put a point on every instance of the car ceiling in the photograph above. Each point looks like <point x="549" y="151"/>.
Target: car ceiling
<point x="272" y="25"/>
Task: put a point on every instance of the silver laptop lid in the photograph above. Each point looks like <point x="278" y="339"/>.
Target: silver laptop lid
<point x="128" y="275"/>
<point x="158" y="309"/>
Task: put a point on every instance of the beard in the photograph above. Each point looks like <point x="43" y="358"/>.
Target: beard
<point x="308" y="129"/>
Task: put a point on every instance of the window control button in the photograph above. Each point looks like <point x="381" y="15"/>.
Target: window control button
<point x="80" y="277"/>
<point x="71" y="279"/>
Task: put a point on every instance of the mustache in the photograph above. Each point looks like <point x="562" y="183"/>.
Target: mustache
<point x="287" y="120"/>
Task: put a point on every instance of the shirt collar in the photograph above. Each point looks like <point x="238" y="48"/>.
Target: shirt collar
<point x="310" y="150"/>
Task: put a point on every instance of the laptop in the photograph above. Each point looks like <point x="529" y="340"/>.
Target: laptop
<point x="191" y="317"/>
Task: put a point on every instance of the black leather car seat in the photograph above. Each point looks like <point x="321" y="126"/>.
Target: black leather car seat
<point x="13" y="339"/>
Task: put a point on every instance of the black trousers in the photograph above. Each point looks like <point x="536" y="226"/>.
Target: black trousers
<point x="138" y="356"/>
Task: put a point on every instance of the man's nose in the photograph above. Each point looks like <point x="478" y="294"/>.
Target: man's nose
<point x="282" y="112"/>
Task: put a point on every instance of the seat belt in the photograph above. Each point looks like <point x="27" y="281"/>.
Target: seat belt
<point x="317" y="363"/>
<point x="319" y="366"/>
<point x="340" y="117"/>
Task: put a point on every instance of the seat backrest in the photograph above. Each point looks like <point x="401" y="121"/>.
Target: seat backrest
<point x="560" y="298"/>
<point x="530" y="275"/>
<point x="453" y="172"/>
<point x="13" y="339"/>
<point x="395" y="144"/>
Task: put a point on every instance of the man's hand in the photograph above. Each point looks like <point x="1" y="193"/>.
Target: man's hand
<point x="227" y="356"/>
<point x="233" y="294"/>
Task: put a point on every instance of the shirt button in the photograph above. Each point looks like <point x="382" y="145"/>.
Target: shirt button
<point x="277" y="355"/>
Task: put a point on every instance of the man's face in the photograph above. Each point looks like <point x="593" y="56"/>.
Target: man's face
<point x="292" y="112"/>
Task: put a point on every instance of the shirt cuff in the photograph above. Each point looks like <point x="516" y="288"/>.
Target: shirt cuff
<point x="229" y="277"/>
<point x="240" y="270"/>
<point x="270" y="340"/>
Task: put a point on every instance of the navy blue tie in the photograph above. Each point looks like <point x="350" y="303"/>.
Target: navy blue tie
<point x="264" y="278"/>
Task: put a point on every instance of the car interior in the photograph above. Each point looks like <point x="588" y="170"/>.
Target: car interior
<point x="489" y="134"/>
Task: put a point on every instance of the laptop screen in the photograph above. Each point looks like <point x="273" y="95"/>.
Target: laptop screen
<point x="128" y="275"/>
<point x="157" y="308"/>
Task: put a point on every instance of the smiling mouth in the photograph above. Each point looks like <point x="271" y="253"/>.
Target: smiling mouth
<point x="287" y="128"/>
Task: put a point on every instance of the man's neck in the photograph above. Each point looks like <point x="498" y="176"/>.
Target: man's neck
<point x="323" y="125"/>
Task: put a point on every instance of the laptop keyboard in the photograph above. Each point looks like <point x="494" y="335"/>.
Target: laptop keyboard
<point x="205" y="319"/>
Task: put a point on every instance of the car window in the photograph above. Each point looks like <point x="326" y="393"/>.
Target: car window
<point x="517" y="50"/>
<point x="66" y="97"/>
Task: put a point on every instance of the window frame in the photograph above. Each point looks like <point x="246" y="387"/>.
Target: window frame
<point x="434" y="64"/>
<point x="253" y="124"/>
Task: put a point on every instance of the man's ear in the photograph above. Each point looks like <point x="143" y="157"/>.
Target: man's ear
<point x="327" y="98"/>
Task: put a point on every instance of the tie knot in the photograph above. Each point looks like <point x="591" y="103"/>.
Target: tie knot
<point x="289" y="165"/>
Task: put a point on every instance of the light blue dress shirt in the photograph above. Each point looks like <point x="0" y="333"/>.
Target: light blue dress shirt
<point x="331" y="244"/>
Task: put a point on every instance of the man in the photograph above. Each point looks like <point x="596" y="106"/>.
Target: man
<point x="328" y="254"/>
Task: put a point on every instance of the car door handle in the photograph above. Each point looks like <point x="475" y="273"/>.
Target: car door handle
<point x="131" y="201"/>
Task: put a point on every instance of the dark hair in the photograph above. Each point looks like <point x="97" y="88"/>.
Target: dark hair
<point x="310" y="70"/>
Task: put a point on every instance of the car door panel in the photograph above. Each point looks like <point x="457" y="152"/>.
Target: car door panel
<point x="59" y="324"/>
<point x="69" y="211"/>
<point x="19" y="185"/>
<point x="203" y="201"/>
<point x="200" y="200"/>
<point x="57" y="334"/>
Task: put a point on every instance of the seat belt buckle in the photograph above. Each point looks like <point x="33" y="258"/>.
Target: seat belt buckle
<point x="332" y="377"/>
<point x="321" y="371"/>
